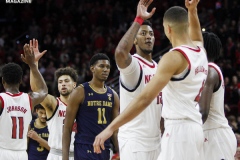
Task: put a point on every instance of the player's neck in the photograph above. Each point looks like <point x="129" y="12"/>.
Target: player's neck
<point x="184" y="40"/>
<point x="12" y="90"/>
<point x="97" y="86"/>
<point x="64" y="99"/>
<point x="148" y="57"/>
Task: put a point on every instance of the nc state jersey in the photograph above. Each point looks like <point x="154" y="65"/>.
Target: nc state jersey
<point x="55" y="127"/>
<point x="216" y="117"/>
<point x="183" y="91"/>
<point x="145" y="128"/>
<point x="14" y="120"/>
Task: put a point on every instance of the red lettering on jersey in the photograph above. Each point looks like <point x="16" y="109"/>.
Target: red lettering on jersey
<point x="74" y="128"/>
<point x="148" y="78"/>
<point x="16" y="108"/>
<point x="61" y="113"/>
<point x="201" y="69"/>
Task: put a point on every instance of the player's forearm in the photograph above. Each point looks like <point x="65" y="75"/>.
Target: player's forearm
<point x="43" y="143"/>
<point x="126" y="43"/>
<point x="36" y="80"/>
<point x="115" y="141"/>
<point x="66" y="139"/>
<point x="194" y="26"/>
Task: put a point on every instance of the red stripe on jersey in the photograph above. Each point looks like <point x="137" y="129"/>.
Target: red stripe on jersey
<point x="61" y="101"/>
<point x="151" y="66"/>
<point x="30" y="101"/>
<point x="193" y="49"/>
<point x="184" y="54"/>
<point x="13" y="95"/>
<point x="1" y="99"/>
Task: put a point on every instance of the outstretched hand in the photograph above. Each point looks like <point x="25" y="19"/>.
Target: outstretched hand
<point x="98" y="144"/>
<point x="191" y="4"/>
<point x="142" y="9"/>
<point x="28" y="56"/>
<point x="34" y="44"/>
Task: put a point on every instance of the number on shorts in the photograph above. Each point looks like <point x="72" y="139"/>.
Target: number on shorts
<point x="197" y="98"/>
<point x="101" y="115"/>
<point x="16" y="126"/>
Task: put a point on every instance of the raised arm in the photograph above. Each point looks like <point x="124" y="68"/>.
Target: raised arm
<point x="194" y="24"/>
<point x="122" y="55"/>
<point x="211" y="84"/>
<point x="50" y="102"/>
<point x="38" y="95"/>
<point x="74" y="101"/>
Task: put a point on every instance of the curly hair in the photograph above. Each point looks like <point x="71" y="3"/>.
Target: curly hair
<point x="67" y="71"/>
<point x="12" y="73"/>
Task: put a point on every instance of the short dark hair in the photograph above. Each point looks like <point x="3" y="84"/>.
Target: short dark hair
<point x="176" y="15"/>
<point x="12" y="73"/>
<point x="39" y="106"/>
<point x="98" y="56"/>
<point x="147" y="22"/>
<point x="67" y="71"/>
<point x="212" y="44"/>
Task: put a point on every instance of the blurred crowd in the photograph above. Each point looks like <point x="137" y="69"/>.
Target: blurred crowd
<point x="72" y="31"/>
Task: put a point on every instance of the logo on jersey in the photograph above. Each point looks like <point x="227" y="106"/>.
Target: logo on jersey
<point x="148" y="78"/>
<point x="109" y="96"/>
<point x="90" y="94"/>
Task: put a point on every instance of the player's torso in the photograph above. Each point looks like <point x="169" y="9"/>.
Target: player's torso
<point x="183" y="91"/>
<point x="145" y="124"/>
<point x="94" y="114"/>
<point x="216" y="117"/>
<point x="35" y="150"/>
<point x="55" y="127"/>
<point x="14" y="120"/>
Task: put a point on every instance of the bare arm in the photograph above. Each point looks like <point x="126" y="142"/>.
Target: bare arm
<point x="122" y="56"/>
<point x="168" y="66"/>
<point x="38" y="95"/>
<point x="115" y="113"/>
<point x="206" y="96"/>
<point x="194" y="24"/>
<point x="32" y="134"/>
<point x="74" y="101"/>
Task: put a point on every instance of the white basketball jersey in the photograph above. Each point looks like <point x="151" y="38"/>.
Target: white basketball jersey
<point x="146" y="126"/>
<point x="216" y="117"/>
<point x="182" y="93"/>
<point x="55" y="127"/>
<point x="14" y="120"/>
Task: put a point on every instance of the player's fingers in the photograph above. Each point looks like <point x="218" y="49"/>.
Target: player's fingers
<point x="152" y="12"/>
<point x="36" y="44"/>
<point x="102" y="144"/>
<point x="43" y="52"/>
<point x="30" y="43"/>
<point x="149" y="2"/>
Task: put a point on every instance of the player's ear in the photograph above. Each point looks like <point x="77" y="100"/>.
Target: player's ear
<point x="74" y="84"/>
<point x="135" y="41"/>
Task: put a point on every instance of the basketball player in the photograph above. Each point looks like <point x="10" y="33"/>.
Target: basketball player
<point x="138" y="139"/>
<point x="220" y="141"/>
<point x="181" y="74"/>
<point x="94" y="105"/>
<point x="38" y="147"/>
<point x="56" y="107"/>
<point x="16" y="107"/>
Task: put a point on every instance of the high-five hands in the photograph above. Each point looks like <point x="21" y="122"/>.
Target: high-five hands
<point x="34" y="44"/>
<point x="191" y="4"/>
<point x="142" y="9"/>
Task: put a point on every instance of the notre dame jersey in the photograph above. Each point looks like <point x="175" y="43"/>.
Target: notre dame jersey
<point x="94" y="114"/>
<point x="35" y="151"/>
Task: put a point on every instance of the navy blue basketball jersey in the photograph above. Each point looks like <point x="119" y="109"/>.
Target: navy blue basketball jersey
<point x="94" y="115"/>
<point x="35" y="151"/>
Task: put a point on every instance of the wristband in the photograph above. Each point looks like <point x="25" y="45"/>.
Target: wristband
<point x="139" y="20"/>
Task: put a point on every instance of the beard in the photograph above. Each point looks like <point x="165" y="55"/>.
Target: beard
<point x="65" y="93"/>
<point x="146" y="51"/>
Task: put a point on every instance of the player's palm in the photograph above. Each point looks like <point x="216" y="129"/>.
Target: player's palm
<point x="98" y="144"/>
<point x="142" y="9"/>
